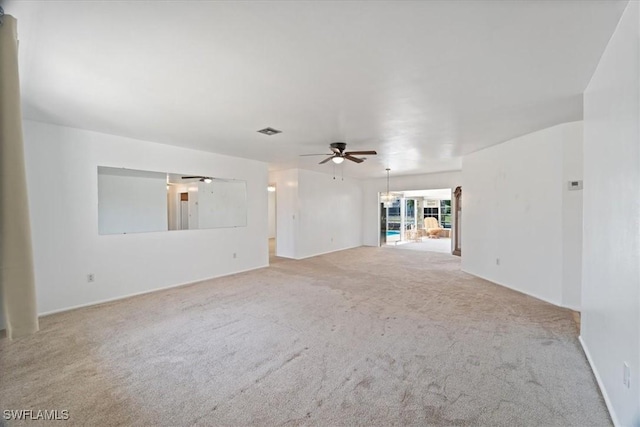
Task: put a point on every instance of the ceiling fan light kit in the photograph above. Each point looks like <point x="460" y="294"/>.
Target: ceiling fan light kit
<point x="338" y="154"/>
<point x="205" y="179"/>
<point x="269" y="131"/>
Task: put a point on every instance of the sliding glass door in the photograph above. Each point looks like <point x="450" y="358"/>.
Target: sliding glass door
<point x="394" y="222"/>
<point x="401" y="217"/>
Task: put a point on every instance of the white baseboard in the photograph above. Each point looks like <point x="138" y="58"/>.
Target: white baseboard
<point x="612" y="413"/>
<point x="327" y="252"/>
<point x="89" y="304"/>
<point x="557" y="304"/>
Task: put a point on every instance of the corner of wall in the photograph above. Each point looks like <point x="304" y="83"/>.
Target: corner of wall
<point x="610" y="320"/>
<point x="603" y="390"/>
<point x="507" y="203"/>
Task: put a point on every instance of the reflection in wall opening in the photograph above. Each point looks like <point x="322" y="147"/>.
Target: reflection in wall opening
<point x="184" y="211"/>
<point x="272" y="219"/>
<point x="135" y="201"/>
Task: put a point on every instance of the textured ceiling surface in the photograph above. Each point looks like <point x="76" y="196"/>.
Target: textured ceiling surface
<point x="423" y="83"/>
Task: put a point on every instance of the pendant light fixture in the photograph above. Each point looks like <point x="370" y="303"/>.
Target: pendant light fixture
<point x="387" y="198"/>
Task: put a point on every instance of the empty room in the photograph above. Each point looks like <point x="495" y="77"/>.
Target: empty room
<point x="324" y="213"/>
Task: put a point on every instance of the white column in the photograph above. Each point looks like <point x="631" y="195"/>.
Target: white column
<point x="17" y="282"/>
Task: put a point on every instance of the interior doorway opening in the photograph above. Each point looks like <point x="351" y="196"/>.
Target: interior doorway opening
<point x="418" y="220"/>
<point x="271" y="209"/>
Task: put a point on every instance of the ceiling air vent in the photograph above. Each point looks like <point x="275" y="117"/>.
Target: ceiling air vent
<point x="270" y="131"/>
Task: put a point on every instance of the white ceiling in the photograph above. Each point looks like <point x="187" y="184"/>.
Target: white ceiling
<point x="420" y="82"/>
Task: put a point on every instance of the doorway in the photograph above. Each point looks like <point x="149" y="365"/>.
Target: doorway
<point x="182" y="206"/>
<point x="271" y="209"/>
<point x="419" y="220"/>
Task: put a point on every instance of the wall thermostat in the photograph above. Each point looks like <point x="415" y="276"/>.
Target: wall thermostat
<point x="575" y="185"/>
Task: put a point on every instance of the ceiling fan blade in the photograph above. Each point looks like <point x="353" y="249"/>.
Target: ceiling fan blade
<point x="191" y="177"/>
<point x="325" y="160"/>
<point x="353" y="159"/>
<point x="324" y="154"/>
<point x="362" y="153"/>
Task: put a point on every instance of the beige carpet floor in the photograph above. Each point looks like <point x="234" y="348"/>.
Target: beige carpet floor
<point x="426" y="244"/>
<point x="367" y="336"/>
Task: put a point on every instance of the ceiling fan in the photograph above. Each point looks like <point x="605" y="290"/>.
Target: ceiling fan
<point x="338" y="154"/>
<point x="201" y="178"/>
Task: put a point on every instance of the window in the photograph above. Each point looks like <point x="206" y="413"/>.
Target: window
<point x="445" y="213"/>
<point x="393" y="216"/>
<point x="440" y="210"/>
<point x="432" y="209"/>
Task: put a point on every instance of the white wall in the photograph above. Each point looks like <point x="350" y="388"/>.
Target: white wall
<point x="131" y="201"/>
<point x="512" y="210"/>
<point x="330" y="212"/>
<point x="316" y="213"/>
<point x="271" y="203"/>
<point x="611" y="242"/>
<point x="62" y="183"/>
<point x="371" y="188"/>
<point x="572" y="170"/>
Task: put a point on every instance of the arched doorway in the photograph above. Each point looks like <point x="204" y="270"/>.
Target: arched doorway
<point x="457" y="229"/>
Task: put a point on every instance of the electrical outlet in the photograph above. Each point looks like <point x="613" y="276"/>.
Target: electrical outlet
<point x="91" y="278"/>
<point x="497" y="261"/>
<point x="626" y="374"/>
